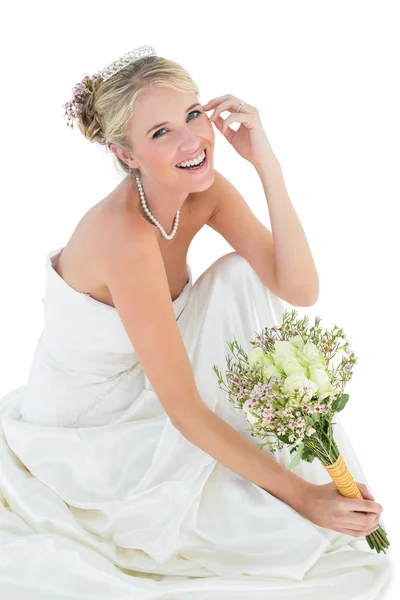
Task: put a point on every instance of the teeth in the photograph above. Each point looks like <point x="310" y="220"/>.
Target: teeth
<point x="191" y="163"/>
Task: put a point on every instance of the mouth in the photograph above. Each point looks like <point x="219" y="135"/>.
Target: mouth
<point x="196" y="168"/>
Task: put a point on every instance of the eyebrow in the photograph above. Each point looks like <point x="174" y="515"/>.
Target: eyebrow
<point x="165" y="122"/>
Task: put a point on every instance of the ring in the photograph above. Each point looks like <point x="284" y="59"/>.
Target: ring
<point x="240" y="106"/>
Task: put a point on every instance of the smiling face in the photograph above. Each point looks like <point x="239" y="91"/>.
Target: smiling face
<point x="168" y="127"/>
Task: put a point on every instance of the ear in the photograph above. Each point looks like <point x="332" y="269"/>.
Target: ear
<point x="126" y="158"/>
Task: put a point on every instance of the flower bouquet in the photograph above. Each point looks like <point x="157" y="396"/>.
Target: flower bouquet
<point x="289" y="390"/>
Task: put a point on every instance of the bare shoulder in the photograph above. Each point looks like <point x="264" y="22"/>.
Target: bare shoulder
<point x="102" y="236"/>
<point x="111" y="237"/>
<point x="120" y="231"/>
<point x="126" y="236"/>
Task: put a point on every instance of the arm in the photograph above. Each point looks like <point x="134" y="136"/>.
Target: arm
<point x="134" y="272"/>
<point x="217" y="438"/>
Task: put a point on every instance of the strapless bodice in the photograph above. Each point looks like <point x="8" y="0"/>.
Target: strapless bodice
<point x="84" y="350"/>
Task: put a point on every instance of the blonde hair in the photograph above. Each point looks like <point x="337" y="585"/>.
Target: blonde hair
<point x="107" y="111"/>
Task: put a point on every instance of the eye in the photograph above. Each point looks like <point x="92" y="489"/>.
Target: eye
<point x="192" y="112"/>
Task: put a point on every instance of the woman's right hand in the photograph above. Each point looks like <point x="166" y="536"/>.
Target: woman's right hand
<point x="325" y="506"/>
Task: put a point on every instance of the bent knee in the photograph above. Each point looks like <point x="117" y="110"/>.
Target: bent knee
<point x="233" y="261"/>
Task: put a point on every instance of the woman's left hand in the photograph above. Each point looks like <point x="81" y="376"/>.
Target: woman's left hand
<point x="250" y="140"/>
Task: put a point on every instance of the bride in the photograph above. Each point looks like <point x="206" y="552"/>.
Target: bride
<point x="125" y="471"/>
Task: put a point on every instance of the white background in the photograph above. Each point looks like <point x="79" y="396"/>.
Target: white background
<point x="324" y="76"/>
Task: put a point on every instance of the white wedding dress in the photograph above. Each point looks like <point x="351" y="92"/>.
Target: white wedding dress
<point x="102" y="498"/>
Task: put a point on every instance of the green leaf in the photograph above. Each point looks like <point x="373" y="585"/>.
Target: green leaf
<point x="340" y="403"/>
<point x="307" y="455"/>
<point x="283" y="438"/>
<point x="297" y="458"/>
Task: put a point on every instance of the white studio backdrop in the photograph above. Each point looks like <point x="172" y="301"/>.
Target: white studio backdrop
<point x="324" y="76"/>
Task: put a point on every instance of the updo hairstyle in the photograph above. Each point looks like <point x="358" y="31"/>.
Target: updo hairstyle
<point x="106" y="114"/>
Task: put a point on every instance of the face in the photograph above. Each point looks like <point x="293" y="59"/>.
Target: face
<point x="168" y="127"/>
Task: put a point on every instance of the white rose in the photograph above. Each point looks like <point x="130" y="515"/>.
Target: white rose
<point x="295" y="383"/>
<point x="291" y="366"/>
<point x="259" y="355"/>
<point x="271" y="371"/>
<point x="297" y="341"/>
<point x="284" y="347"/>
<point x="321" y="378"/>
<point x="282" y="351"/>
<point x="311" y="353"/>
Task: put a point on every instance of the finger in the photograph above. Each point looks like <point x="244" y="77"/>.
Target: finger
<point x="365" y="491"/>
<point x="218" y="122"/>
<point x="214" y="101"/>
<point x="361" y="522"/>
<point x="231" y="104"/>
<point x="355" y="533"/>
<point x="354" y="504"/>
<point x="245" y="118"/>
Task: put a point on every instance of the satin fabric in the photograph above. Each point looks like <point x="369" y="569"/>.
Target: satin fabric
<point x="101" y="497"/>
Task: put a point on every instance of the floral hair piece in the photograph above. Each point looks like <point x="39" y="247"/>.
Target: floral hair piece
<point x="84" y="88"/>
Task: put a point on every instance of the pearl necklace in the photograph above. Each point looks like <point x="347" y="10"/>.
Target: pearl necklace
<point x="148" y="213"/>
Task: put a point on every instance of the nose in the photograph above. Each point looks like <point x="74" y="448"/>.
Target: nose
<point x="191" y="147"/>
<point x="189" y="138"/>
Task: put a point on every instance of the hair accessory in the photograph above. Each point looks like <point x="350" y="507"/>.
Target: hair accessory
<point x="125" y="60"/>
<point x="83" y="89"/>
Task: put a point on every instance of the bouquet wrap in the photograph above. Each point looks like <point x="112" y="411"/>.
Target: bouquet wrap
<point x="343" y="479"/>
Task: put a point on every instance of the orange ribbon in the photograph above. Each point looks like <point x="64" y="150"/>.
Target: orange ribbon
<point x="343" y="479"/>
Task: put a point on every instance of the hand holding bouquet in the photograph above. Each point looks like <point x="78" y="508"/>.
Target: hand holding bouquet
<point x="289" y="390"/>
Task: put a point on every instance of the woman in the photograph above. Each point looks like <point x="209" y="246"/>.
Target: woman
<point x="126" y="473"/>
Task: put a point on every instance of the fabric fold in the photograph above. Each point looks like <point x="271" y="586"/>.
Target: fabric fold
<point x="102" y="497"/>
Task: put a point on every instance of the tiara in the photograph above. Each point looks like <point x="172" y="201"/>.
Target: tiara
<point x="82" y="90"/>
